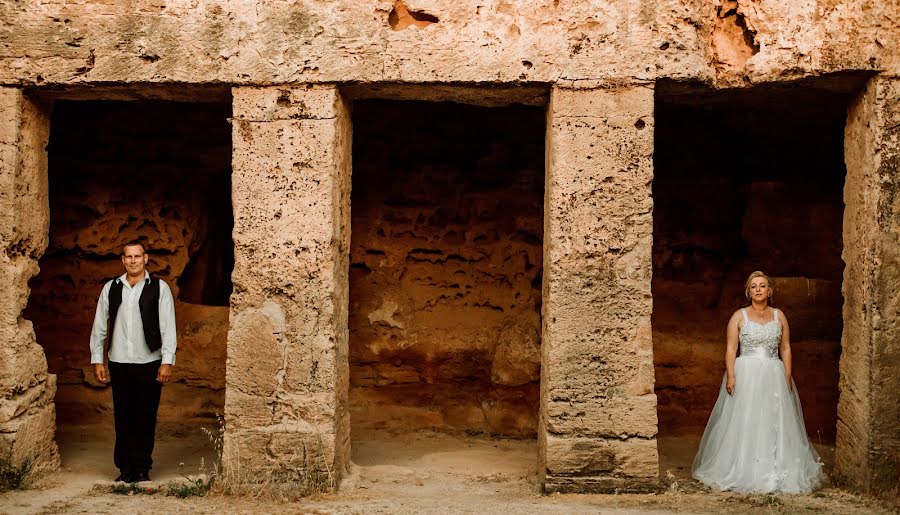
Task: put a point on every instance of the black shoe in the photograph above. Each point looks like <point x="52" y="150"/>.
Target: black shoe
<point x="141" y="476"/>
<point x="124" y="477"/>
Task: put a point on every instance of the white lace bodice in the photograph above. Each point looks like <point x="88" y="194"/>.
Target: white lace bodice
<point x="760" y="340"/>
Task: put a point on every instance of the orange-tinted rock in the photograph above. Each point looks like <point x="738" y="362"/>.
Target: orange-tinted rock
<point x="445" y="267"/>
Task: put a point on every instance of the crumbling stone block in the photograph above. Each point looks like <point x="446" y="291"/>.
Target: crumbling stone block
<point x="27" y="413"/>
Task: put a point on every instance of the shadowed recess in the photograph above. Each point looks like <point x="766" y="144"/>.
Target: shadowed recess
<point x="747" y="180"/>
<point x="446" y="257"/>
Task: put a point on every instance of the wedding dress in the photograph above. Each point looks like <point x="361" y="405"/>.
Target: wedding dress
<point x="755" y="440"/>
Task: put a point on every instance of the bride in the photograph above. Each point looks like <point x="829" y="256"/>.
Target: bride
<point x="755" y="440"/>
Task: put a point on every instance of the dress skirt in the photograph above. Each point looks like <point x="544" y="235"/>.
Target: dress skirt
<point x="755" y="440"/>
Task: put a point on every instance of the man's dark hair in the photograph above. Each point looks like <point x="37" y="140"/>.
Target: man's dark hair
<point x="135" y="243"/>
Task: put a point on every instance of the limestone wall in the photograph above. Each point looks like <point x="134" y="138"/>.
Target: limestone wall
<point x="27" y="415"/>
<point x="83" y="41"/>
<point x="287" y="370"/>
<point x="598" y="411"/>
<point x="446" y="264"/>
<point x="868" y="436"/>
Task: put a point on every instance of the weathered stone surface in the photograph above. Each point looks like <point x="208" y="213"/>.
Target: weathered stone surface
<point x="591" y="457"/>
<point x="291" y="162"/>
<point x="261" y="364"/>
<point x="597" y="377"/>
<point x="24" y="364"/>
<point x="310" y="42"/>
<point x="518" y="357"/>
<point x="27" y="413"/>
<point x="868" y="436"/>
<point x="446" y="267"/>
<point x="290" y="42"/>
<point x="291" y="207"/>
<point x="30" y="436"/>
<point x="286" y="453"/>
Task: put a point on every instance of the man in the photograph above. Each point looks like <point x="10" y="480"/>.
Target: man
<point x="139" y="312"/>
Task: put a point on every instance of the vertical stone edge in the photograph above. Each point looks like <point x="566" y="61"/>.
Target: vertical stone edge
<point x="27" y="411"/>
<point x="342" y="185"/>
<point x="598" y="424"/>
<point x="868" y="437"/>
<point x="886" y="359"/>
<point x="286" y="373"/>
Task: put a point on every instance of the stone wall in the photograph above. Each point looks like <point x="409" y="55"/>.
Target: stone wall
<point x="287" y="371"/>
<point x="868" y="435"/>
<point x="158" y="172"/>
<point x="597" y="424"/>
<point x="446" y="264"/>
<point x="598" y="411"/>
<point x="731" y="41"/>
<point x="747" y="181"/>
<point x="27" y="415"/>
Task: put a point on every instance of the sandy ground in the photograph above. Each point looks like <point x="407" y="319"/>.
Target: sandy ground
<point x="411" y="473"/>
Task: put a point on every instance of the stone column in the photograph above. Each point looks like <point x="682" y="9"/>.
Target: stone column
<point x="868" y="432"/>
<point x="27" y="413"/>
<point x="287" y="371"/>
<point x="598" y="410"/>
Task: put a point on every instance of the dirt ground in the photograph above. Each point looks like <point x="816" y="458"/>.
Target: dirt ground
<point x="423" y="472"/>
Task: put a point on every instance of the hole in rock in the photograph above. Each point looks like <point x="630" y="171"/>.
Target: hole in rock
<point x="445" y="293"/>
<point x="401" y="17"/>
<point x="158" y="172"/>
<point x="746" y="180"/>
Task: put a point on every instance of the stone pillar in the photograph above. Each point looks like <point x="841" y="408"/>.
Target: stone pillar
<point x="868" y="432"/>
<point x="27" y="413"/>
<point x="598" y="410"/>
<point x="287" y="371"/>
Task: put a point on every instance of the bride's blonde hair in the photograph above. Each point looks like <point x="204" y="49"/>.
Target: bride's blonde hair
<point x="753" y="276"/>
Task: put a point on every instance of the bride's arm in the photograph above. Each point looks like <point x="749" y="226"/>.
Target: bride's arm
<point x="785" y="348"/>
<point x="731" y="348"/>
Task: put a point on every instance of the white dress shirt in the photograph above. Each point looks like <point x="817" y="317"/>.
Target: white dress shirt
<point x="128" y="342"/>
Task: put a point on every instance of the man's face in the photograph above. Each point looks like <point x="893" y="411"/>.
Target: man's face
<point x="135" y="260"/>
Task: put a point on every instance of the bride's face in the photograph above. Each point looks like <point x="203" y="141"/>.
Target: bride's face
<point x="759" y="289"/>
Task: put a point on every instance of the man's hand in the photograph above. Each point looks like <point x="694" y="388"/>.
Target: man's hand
<point x="100" y="373"/>
<point x="165" y="373"/>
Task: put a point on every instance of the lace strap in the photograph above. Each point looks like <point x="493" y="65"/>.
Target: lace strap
<point x="744" y="312"/>
<point x="775" y="314"/>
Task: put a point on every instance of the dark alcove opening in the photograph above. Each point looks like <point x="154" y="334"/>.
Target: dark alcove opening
<point x="446" y="262"/>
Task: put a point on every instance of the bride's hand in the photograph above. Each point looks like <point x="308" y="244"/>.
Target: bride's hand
<point x="790" y="383"/>
<point x="729" y="385"/>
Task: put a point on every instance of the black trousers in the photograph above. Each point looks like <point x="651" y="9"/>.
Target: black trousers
<point x="136" y="395"/>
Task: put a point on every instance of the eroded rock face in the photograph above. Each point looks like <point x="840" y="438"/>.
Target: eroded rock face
<point x="27" y="414"/>
<point x="868" y="438"/>
<point x="294" y="61"/>
<point x="446" y="263"/>
<point x="292" y="236"/>
<point x="597" y="399"/>
<point x="731" y="41"/>
<point x="115" y="176"/>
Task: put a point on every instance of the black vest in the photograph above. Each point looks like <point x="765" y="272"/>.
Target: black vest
<point x="148" y="305"/>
